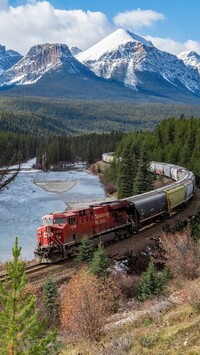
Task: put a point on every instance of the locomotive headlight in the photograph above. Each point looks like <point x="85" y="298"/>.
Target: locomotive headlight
<point x="48" y="229"/>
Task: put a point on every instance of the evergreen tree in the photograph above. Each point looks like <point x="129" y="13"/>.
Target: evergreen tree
<point x="195" y="225"/>
<point x="85" y="251"/>
<point x="89" y="153"/>
<point x="50" y="292"/>
<point x="143" y="180"/>
<point x="21" y="331"/>
<point x="151" y="283"/>
<point x="100" y="263"/>
<point x="126" y="173"/>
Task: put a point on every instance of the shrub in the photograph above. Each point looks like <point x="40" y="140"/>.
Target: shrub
<point x="193" y="296"/>
<point x="50" y="293"/>
<point x="86" y="302"/>
<point x="100" y="263"/>
<point x="148" y="341"/>
<point x="151" y="283"/>
<point x="181" y="254"/>
<point x="85" y="251"/>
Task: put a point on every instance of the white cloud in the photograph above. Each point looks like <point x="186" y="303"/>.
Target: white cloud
<point x="136" y="19"/>
<point x="174" y="47"/>
<point x="38" y="22"/>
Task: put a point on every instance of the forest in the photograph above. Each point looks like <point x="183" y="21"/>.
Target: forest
<point x="172" y="141"/>
<point x="175" y="141"/>
<point x="39" y="116"/>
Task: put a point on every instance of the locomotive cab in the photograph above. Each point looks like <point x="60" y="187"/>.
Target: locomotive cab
<point x="50" y="235"/>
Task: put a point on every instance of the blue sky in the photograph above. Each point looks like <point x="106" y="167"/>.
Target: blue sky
<point x="171" y="25"/>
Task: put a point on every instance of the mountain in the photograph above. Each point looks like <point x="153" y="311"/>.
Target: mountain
<point x="50" y="70"/>
<point x="191" y="59"/>
<point x="75" y="50"/>
<point x="135" y="62"/>
<point x="40" y="60"/>
<point x="122" y="67"/>
<point x="8" y="58"/>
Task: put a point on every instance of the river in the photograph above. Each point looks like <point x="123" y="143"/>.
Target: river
<point x="23" y="204"/>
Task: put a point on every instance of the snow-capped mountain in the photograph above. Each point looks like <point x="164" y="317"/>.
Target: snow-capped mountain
<point x="123" y="66"/>
<point x="190" y="58"/>
<point x="8" y="58"/>
<point x="40" y="60"/>
<point x="131" y="60"/>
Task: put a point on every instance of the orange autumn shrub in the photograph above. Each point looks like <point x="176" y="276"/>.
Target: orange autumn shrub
<point x="86" y="302"/>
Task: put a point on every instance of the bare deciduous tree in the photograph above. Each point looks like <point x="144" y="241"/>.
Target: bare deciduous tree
<point x="7" y="175"/>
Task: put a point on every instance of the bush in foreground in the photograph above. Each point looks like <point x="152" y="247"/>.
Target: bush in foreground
<point x="86" y="302"/>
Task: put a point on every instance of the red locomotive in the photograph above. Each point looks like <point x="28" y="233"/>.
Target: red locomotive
<point x="61" y="232"/>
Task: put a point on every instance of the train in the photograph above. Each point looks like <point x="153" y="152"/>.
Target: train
<point x="60" y="233"/>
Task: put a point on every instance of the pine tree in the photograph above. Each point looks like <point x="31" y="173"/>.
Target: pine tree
<point x="50" y="292"/>
<point x="100" y="263"/>
<point x="151" y="283"/>
<point x="127" y="171"/>
<point x="143" y="180"/>
<point x="195" y="225"/>
<point x="21" y="331"/>
<point x="85" y="251"/>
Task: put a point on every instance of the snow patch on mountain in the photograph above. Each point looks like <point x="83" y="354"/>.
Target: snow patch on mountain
<point x="191" y="59"/>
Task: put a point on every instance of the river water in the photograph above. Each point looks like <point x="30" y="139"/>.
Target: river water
<point x="24" y="203"/>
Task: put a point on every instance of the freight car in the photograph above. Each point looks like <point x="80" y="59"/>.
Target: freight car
<point x="60" y="233"/>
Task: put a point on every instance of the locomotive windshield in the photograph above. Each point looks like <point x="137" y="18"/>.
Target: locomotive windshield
<point x="61" y="220"/>
<point x="47" y="221"/>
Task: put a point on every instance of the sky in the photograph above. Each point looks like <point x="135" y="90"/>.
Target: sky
<point x="171" y="25"/>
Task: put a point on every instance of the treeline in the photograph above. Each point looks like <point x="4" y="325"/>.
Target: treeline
<point x="173" y="141"/>
<point x="12" y="144"/>
<point x="88" y="148"/>
<point x="52" y="149"/>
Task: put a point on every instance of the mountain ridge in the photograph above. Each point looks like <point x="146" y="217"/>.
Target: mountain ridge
<point x="122" y="66"/>
<point x="130" y="54"/>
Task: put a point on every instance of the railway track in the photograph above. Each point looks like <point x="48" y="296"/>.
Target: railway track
<point x="29" y="270"/>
